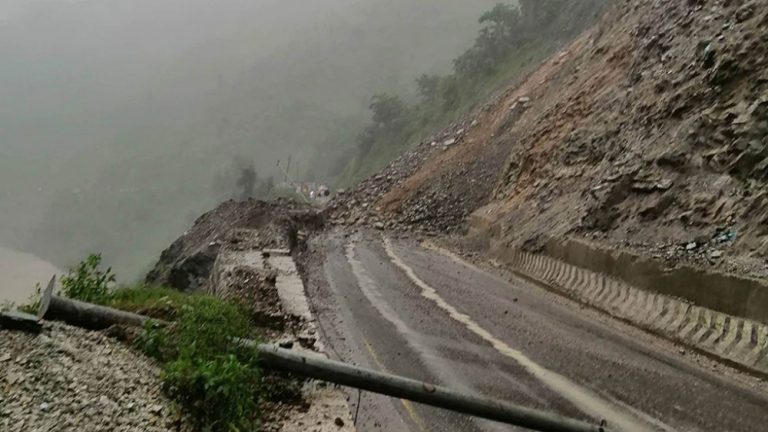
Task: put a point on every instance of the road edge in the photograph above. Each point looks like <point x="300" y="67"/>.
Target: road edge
<point x="739" y="342"/>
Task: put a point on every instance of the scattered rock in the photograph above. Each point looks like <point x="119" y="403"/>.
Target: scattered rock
<point x="285" y="343"/>
<point x="71" y="370"/>
<point x="647" y="137"/>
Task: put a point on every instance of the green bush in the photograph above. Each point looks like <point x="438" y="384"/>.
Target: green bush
<point x="155" y="342"/>
<point x="212" y="376"/>
<point x="205" y="370"/>
<point x="87" y="282"/>
<point x="219" y="392"/>
<point x="207" y="326"/>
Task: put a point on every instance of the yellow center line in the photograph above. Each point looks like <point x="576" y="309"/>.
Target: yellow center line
<point x="407" y="404"/>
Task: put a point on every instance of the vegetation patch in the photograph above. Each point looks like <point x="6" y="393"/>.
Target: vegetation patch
<point x="213" y="377"/>
<point x="156" y="302"/>
<point x="87" y="281"/>
<point x="511" y="38"/>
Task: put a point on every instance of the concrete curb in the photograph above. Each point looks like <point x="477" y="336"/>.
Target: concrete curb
<point x="739" y="341"/>
<point x="328" y="402"/>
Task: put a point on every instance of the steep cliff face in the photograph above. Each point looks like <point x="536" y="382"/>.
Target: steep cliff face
<point x="653" y="135"/>
<point x="647" y="132"/>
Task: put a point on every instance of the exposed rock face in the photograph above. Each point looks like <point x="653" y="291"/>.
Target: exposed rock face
<point x="652" y="136"/>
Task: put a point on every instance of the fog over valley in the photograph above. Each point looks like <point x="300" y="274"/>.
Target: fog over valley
<point x="119" y="116"/>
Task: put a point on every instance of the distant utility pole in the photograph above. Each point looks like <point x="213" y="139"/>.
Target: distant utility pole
<point x="295" y="185"/>
<point x="288" y="167"/>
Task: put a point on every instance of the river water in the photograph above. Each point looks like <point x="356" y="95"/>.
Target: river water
<point x="19" y="272"/>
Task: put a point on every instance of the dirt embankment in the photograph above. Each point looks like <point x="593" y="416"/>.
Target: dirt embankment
<point x="649" y="132"/>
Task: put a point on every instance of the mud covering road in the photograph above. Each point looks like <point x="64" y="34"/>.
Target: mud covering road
<point x="393" y="305"/>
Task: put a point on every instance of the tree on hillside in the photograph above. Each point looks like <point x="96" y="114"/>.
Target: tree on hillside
<point x="450" y="92"/>
<point x="502" y="31"/>
<point x="429" y="86"/>
<point x="501" y="21"/>
<point x="542" y="14"/>
<point x="388" y="111"/>
<point x="389" y="116"/>
<point x="247" y="182"/>
<point x="239" y="180"/>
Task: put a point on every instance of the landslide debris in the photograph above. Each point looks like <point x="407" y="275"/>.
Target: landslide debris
<point x="188" y="263"/>
<point x="224" y="252"/>
<point x="652" y="137"/>
<point x="647" y="132"/>
<point x="362" y="205"/>
<point x="70" y="379"/>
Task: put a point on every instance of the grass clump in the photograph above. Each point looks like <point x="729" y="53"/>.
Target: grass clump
<point x="156" y="302"/>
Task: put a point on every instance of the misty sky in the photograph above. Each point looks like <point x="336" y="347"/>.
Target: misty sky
<point x="117" y="114"/>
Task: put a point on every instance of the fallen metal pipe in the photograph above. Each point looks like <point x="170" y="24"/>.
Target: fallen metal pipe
<point x="404" y="388"/>
<point x="81" y="314"/>
<point x="312" y="366"/>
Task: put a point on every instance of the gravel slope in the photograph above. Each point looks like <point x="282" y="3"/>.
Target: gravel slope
<point x="69" y="379"/>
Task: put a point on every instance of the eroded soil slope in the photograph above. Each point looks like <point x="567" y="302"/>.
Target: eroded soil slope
<point x="648" y="132"/>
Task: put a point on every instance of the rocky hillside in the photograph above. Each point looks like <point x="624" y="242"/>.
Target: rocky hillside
<point x="648" y="132"/>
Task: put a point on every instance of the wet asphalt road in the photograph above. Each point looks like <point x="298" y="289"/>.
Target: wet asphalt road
<point x="395" y="306"/>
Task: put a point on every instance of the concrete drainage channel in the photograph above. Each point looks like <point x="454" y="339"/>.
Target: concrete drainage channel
<point x="740" y="341"/>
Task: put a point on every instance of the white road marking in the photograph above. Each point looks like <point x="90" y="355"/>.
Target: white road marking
<point x="413" y="338"/>
<point x="584" y="399"/>
<point x="437" y="365"/>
